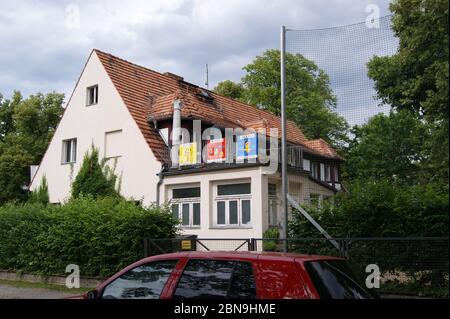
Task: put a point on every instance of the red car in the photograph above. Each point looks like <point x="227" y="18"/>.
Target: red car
<point x="236" y="275"/>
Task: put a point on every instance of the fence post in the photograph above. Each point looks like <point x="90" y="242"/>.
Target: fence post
<point x="145" y="247"/>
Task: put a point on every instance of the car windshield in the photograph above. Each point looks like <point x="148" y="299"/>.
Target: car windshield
<point x="338" y="279"/>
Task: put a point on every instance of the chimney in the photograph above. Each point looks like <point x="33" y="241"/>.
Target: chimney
<point x="176" y="131"/>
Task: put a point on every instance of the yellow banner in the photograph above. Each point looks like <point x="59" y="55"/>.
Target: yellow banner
<point x="188" y="154"/>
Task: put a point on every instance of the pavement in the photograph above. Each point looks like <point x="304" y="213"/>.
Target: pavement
<point x="10" y="292"/>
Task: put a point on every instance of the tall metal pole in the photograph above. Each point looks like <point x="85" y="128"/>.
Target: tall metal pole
<point x="284" y="184"/>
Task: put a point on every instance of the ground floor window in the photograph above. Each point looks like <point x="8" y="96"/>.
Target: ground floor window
<point x="233" y="205"/>
<point x="186" y="206"/>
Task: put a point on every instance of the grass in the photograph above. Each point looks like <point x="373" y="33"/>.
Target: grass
<point x="26" y="284"/>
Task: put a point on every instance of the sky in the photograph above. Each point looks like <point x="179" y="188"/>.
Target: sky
<point x="44" y="44"/>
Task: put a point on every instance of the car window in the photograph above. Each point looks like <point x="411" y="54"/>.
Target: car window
<point x="216" y="279"/>
<point x="143" y="282"/>
<point x="337" y="279"/>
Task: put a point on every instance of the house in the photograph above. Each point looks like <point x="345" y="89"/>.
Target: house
<point x="130" y="114"/>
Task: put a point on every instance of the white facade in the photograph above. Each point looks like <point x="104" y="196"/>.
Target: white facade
<point x="300" y="187"/>
<point x="136" y="166"/>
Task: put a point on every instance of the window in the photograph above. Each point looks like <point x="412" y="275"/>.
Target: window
<point x="314" y="170"/>
<point x="233" y="207"/>
<point x="69" y="151"/>
<point x="164" y="133"/>
<point x="327" y="173"/>
<point x="336" y="173"/>
<point x="143" y="282"/>
<point x="186" y="206"/>
<point x="217" y="279"/>
<point x="273" y="205"/>
<point x="233" y="189"/>
<point x="337" y="279"/>
<point x="113" y="144"/>
<point x="92" y="95"/>
<point x="322" y="171"/>
<point x="307" y="165"/>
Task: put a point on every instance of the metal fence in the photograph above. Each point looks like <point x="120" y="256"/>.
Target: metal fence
<point x="408" y="266"/>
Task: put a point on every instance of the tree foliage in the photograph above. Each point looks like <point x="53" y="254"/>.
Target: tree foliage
<point x="40" y="195"/>
<point x="26" y="128"/>
<point x="310" y="101"/>
<point x="95" y="178"/>
<point x="380" y="209"/>
<point x="387" y="147"/>
<point x="230" y="89"/>
<point x="416" y="77"/>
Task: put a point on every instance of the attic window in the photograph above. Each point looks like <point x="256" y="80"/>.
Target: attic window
<point x="92" y="95"/>
<point x="205" y="95"/>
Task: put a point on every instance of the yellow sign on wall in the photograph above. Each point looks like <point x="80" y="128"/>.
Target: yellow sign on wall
<point x="188" y="154"/>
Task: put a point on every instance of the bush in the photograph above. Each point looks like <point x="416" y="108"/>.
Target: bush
<point x="101" y="236"/>
<point x="269" y="239"/>
<point x="40" y="195"/>
<point x="95" y="178"/>
<point x="380" y="209"/>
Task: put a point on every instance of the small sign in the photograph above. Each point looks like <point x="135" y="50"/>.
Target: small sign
<point x="188" y="154"/>
<point x="186" y="245"/>
<point x="247" y="146"/>
<point x="216" y="151"/>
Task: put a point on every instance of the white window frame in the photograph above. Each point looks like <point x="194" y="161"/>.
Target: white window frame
<point x="88" y="95"/>
<point x="73" y="151"/>
<point x="190" y="201"/>
<point x="227" y="199"/>
<point x="106" y="144"/>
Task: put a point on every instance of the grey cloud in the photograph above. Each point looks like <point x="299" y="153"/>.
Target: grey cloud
<point x="40" y="53"/>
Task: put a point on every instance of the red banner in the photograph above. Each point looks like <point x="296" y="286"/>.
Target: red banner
<point x="216" y="151"/>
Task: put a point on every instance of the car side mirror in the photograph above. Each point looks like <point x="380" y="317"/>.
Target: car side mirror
<point x="92" y="294"/>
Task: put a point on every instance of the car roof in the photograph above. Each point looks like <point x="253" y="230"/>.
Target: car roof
<point x="246" y="255"/>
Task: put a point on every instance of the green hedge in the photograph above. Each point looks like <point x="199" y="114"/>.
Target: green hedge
<point x="100" y="235"/>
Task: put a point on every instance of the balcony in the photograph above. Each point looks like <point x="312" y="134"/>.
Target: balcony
<point x="294" y="157"/>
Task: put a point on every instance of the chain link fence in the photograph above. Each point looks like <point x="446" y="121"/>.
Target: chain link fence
<point x="408" y="266"/>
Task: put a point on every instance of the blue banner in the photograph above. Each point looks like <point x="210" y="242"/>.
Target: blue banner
<point x="247" y="146"/>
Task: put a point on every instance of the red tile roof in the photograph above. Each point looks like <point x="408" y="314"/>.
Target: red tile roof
<point x="149" y="95"/>
<point x="323" y="148"/>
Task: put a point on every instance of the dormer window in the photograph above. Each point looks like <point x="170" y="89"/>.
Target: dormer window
<point x="92" y="95"/>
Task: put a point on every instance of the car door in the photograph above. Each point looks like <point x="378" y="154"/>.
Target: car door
<point x="280" y="279"/>
<point x="146" y="281"/>
<point x="216" y="279"/>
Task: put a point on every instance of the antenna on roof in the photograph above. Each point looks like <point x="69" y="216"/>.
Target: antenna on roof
<point x="207" y="77"/>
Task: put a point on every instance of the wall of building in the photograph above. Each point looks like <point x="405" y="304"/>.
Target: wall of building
<point x="206" y="181"/>
<point x="300" y="188"/>
<point x="137" y="167"/>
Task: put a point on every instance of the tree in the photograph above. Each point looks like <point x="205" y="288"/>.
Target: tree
<point x="40" y="195"/>
<point x="416" y="77"/>
<point x="310" y="101"/>
<point x="26" y="128"/>
<point x="387" y="147"/>
<point x="230" y="89"/>
<point x="94" y="178"/>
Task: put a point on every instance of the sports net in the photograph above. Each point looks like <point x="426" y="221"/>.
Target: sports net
<point x="343" y="53"/>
